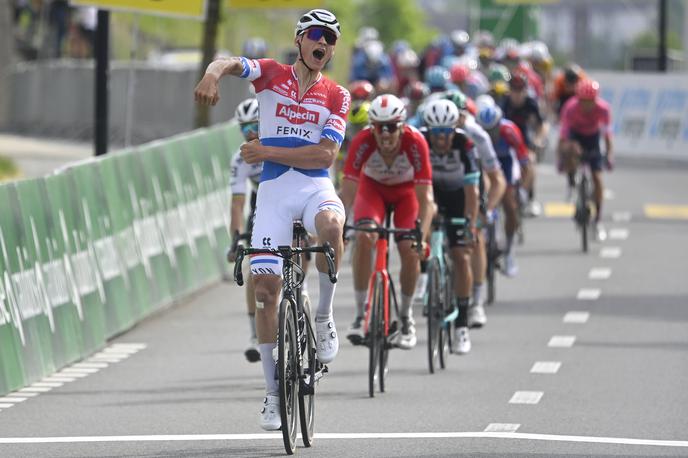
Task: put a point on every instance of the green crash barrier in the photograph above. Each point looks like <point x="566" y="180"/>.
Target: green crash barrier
<point x="89" y="251"/>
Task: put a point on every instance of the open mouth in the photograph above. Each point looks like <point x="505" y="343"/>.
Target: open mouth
<point x="319" y="54"/>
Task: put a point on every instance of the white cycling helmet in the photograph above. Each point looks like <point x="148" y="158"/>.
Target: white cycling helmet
<point x="387" y="108"/>
<point x="441" y="113"/>
<point x="247" y="111"/>
<point x="484" y="100"/>
<point x="489" y="116"/>
<point x="318" y="18"/>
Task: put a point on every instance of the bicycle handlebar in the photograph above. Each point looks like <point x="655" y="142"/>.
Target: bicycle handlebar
<point x="286" y="252"/>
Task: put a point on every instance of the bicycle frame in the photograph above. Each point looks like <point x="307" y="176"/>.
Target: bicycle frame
<point x="382" y="248"/>
<point x="437" y="251"/>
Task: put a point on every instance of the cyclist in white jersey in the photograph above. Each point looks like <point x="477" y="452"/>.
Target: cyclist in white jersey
<point x="243" y="177"/>
<point x="302" y="125"/>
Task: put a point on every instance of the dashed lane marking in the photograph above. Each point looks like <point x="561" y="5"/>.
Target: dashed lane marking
<point x="58" y="379"/>
<point x="610" y="252"/>
<point x="545" y="367"/>
<point x="561" y="341"/>
<point x="79" y="370"/>
<point x="90" y="365"/>
<point x="12" y="399"/>
<point x="600" y="273"/>
<point x="35" y="389"/>
<point x="526" y="397"/>
<point x="6" y="405"/>
<point x="618" y="234"/>
<point x="666" y="211"/>
<point x="577" y="317"/>
<point x="502" y="427"/>
<point x="588" y="294"/>
<point x="344" y="436"/>
<point x="24" y="394"/>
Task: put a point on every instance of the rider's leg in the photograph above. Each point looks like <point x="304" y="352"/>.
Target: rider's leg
<point x="598" y="194"/>
<point x="510" y="205"/>
<point x="267" y="294"/>
<point x="410" y="269"/>
<point x="478" y="268"/>
<point x="463" y="281"/>
<point x="362" y="267"/>
<point x="329" y="225"/>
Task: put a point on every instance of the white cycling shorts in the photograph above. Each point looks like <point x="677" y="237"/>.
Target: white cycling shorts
<point x="291" y="196"/>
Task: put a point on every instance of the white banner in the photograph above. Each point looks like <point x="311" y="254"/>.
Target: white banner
<point x="649" y="112"/>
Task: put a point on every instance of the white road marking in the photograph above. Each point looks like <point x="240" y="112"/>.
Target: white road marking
<point x="588" y="294"/>
<point x="112" y="354"/>
<point x="526" y="397"/>
<point x="12" y="399"/>
<point x="79" y="370"/>
<point x="90" y="365"/>
<point x="78" y="373"/>
<point x="56" y="378"/>
<point x="621" y="217"/>
<point x="618" y="234"/>
<point x="610" y="252"/>
<point x="46" y="385"/>
<point x="340" y="436"/>
<point x="561" y="341"/>
<point x="576" y="317"/>
<point x="545" y="367"/>
<point x="5" y="405"/>
<point x="35" y="389"/>
<point x="25" y="394"/>
<point x="502" y="427"/>
<point x="103" y="359"/>
<point x="128" y="346"/>
<point x="600" y="273"/>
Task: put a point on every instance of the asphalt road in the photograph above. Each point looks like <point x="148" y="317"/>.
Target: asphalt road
<point x="619" y="388"/>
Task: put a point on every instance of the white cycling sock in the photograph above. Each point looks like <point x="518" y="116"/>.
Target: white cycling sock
<point x="252" y="324"/>
<point x="406" y="302"/>
<point x="478" y="292"/>
<point x="269" y="367"/>
<point x="324" y="312"/>
<point x="361" y="297"/>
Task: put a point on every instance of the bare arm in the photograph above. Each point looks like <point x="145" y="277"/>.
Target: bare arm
<point x="349" y="188"/>
<point x="426" y="208"/>
<point x="497" y="188"/>
<point x="206" y="91"/>
<point x="237" y="213"/>
<point x="318" y="156"/>
<point x="470" y="192"/>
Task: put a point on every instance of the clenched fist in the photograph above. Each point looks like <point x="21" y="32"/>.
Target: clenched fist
<point x="251" y="152"/>
<point x="206" y="91"/>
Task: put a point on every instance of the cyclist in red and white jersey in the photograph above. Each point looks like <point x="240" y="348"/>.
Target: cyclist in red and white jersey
<point x="302" y="125"/>
<point x="388" y="164"/>
<point x="512" y="154"/>
<point x="584" y="118"/>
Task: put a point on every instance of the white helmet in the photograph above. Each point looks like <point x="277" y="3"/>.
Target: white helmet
<point x="318" y="18"/>
<point x="441" y="113"/>
<point x="387" y="108"/>
<point x="247" y="111"/>
<point x="484" y="100"/>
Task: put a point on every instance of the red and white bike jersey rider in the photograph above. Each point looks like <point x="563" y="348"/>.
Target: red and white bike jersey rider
<point x="287" y="193"/>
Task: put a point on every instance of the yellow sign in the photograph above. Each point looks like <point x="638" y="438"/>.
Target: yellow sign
<point x="183" y="8"/>
<point x="296" y="4"/>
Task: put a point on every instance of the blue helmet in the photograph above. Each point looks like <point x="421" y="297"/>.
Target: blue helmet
<point x="437" y="77"/>
<point x="489" y="116"/>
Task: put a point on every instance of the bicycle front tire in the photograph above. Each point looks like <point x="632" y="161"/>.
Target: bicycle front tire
<point x="376" y="338"/>
<point x="288" y="372"/>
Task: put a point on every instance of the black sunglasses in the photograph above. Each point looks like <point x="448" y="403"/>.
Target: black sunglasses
<point x="389" y="127"/>
<point x="316" y="33"/>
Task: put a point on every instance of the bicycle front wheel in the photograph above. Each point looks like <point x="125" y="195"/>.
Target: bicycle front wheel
<point x="376" y="338"/>
<point x="309" y="368"/>
<point x="434" y="308"/>
<point x="288" y="372"/>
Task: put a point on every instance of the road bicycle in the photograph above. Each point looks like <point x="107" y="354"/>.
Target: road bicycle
<point x="298" y="367"/>
<point x="584" y="204"/>
<point x="379" y="330"/>
<point x="439" y="305"/>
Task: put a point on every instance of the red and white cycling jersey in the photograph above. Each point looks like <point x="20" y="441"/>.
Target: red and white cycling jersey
<point x="289" y="122"/>
<point x="411" y="165"/>
<point x="574" y="119"/>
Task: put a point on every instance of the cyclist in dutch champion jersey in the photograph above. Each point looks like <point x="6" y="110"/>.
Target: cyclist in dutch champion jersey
<point x="302" y="125"/>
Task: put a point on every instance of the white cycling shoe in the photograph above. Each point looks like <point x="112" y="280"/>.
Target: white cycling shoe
<point x="270" y="414"/>
<point x="476" y="316"/>
<point x="462" y="341"/>
<point x="327" y="340"/>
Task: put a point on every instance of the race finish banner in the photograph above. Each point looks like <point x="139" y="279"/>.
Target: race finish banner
<point x="179" y="8"/>
<point x="296" y="4"/>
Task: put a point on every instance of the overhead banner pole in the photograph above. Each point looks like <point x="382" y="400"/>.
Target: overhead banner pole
<point x="101" y="54"/>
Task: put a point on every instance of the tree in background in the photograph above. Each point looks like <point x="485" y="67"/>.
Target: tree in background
<point x="397" y="20"/>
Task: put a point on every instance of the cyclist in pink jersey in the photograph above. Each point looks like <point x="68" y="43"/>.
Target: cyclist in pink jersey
<point x="302" y="125"/>
<point x="584" y="118"/>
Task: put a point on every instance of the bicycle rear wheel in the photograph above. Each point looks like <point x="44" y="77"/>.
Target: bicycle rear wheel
<point x="309" y="368"/>
<point x="288" y="371"/>
<point x="434" y="308"/>
<point x="375" y="334"/>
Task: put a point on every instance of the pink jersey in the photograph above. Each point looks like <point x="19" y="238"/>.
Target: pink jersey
<point x="289" y="122"/>
<point x="574" y="119"/>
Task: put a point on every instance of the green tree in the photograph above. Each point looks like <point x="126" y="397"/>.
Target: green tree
<point x="397" y="20"/>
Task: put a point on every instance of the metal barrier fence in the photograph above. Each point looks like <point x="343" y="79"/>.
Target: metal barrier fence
<point x="55" y="98"/>
<point x="87" y="252"/>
